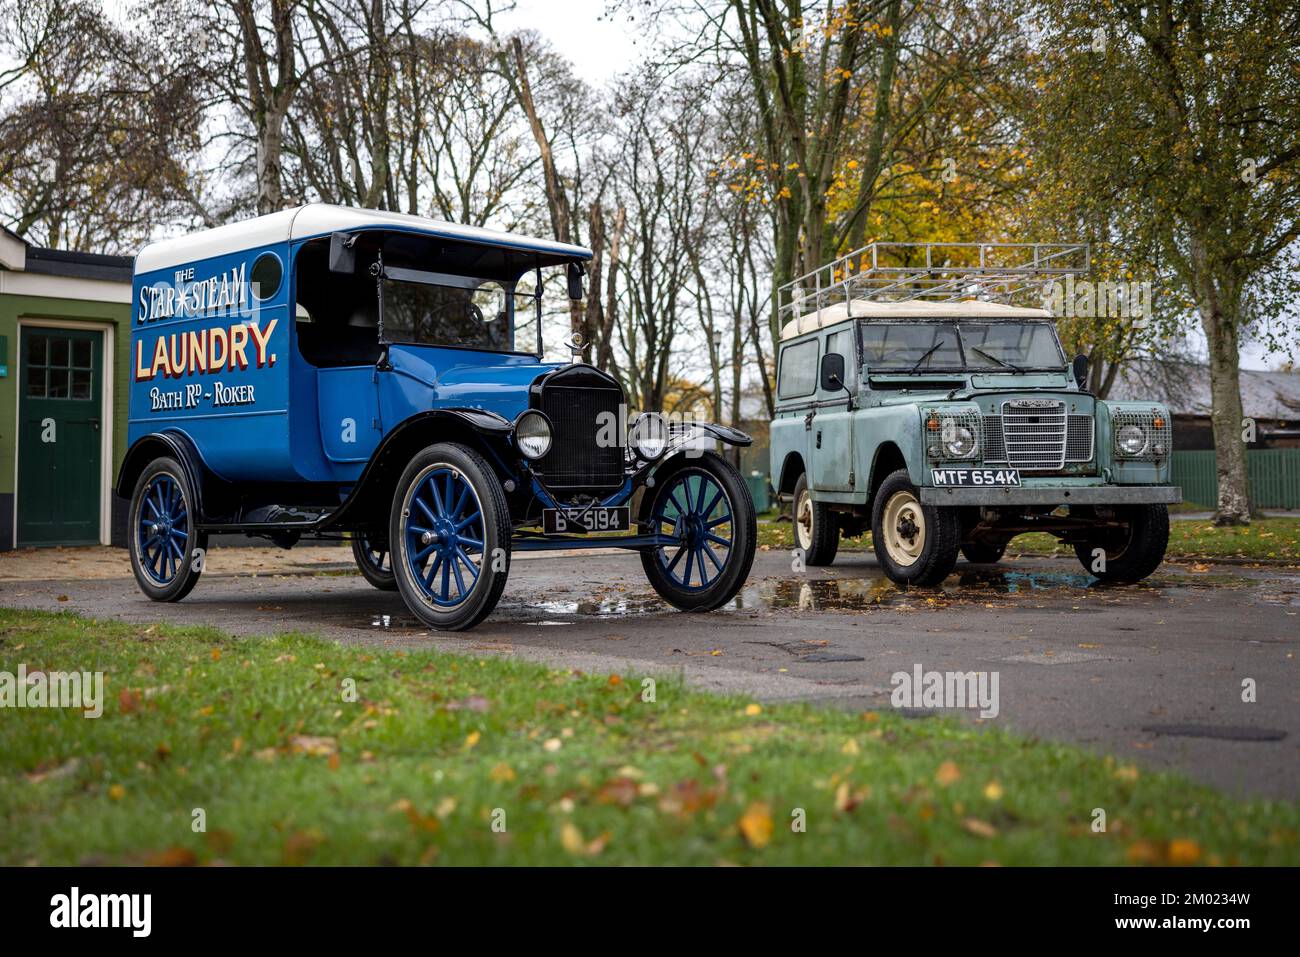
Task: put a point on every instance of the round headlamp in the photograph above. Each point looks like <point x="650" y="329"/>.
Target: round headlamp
<point x="533" y="434"/>
<point x="1131" y="439"/>
<point x="958" y="440"/>
<point x="649" y="436"/>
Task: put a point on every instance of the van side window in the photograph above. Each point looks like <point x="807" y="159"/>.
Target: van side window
<point x="798" y="370"/>
<point x="336" y="316"/>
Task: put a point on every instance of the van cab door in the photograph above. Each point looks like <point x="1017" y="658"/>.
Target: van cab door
<point x="831" y="442"/>
<point x="348" y="399"/>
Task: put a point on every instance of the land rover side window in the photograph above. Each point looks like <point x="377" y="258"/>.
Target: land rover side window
<point x="798" y="370"/>
<point x="902" y="347"/>
<point x="471" y="314"/>
<point x="1015" y="345"/>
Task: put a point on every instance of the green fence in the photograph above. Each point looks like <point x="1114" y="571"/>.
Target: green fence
<point x="1274" y="477"/>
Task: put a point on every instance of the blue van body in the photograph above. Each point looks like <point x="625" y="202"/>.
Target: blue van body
<point x="268" y="397"/>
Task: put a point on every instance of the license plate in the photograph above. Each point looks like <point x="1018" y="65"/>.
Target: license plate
<point x="997" y="478"/>
<point x="556" y="521"/>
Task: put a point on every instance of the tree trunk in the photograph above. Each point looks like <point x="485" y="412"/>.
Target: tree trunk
<point x="1222" y="336"/>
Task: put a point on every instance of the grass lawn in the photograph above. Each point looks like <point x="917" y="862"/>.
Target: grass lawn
<point x="1266" y="539"/>
<point x="581" y="769"/>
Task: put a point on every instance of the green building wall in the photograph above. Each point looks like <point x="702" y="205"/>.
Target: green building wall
<point x="34" y="309"/>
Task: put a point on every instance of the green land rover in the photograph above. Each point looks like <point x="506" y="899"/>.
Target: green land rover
<point x="917" y="399"/>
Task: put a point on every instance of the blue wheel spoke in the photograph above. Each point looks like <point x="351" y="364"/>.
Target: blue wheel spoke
<point x="425" y="508"/>
<point x="437" y="498"/>
<point x="712" y="557"/>
<point x="419" y="556"/>
<point x="465" y="522"/>
<point x="433" y="570"/>
<point x="717" y="540"/>
<point x="718" y="521"/>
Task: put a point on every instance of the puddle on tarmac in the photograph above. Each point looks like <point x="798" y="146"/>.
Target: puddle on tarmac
<point x="974" y="587"/>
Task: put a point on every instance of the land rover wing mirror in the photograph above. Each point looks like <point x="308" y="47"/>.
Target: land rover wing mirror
<point x="575" y="281"/>
<point x="832" y="372"/>
<point x="1080" y="369"/>
<point x="343" y="253"/>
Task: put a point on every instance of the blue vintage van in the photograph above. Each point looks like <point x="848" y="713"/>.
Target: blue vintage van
<point x="344" y="373"/>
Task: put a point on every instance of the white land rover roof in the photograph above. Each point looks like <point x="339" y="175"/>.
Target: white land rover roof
<point x="319" y="219"/>
<point x="907" y="309"/>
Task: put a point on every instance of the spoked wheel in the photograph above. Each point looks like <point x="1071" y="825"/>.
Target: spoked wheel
<point x="815" y="528"/>
<point x="705" y="507"/>
<point x="450" y="531"/>
<point x="167" y="553"/>
<point x="916" y="544"/>
<point x="374" y="562"/>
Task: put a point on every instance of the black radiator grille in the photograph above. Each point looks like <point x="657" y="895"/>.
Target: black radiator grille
<point x="577" y="460"/>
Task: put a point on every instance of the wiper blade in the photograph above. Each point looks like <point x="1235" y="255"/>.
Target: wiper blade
<point x="928" y="352"/>
<point x="993" y="358"/>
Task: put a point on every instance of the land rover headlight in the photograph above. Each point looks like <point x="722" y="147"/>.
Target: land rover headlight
<point x="533" y="434"/>
<point x="958" y="440"/>
<point x="1131" y="439"/>
<point x="649" y="436"/>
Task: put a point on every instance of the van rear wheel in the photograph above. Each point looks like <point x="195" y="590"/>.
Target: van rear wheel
<point x="167" y="550"/>
<point x="916" y="544"/>
<point x="374" y="561"/>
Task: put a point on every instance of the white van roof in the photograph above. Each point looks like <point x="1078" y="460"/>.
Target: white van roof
<point x="321" y="219"/>
<point x="907" y="309"/>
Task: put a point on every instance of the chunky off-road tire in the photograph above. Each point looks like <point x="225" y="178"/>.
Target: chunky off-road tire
<point x="978" y="553"/>
<point x="1131" y="554"/>
<point x="167" y="554"/>
<point x="449" y="533"/>
<point x="374" y="562"/>
<point x="916" y="544"/>
<point x="706" y="505"/>
<point x="816" y="531"/>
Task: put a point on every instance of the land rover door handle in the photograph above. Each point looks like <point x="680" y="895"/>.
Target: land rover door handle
<point x="807" y="420"/>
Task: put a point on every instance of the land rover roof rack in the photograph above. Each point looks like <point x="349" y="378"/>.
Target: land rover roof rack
<point x="936" y="272"/>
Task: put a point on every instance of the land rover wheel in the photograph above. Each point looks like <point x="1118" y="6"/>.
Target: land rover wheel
<point x="374" y="561"/>
<point x="167" y="554"/>
<point x="979" y="553"/>
<point x="1131" y="553"/>
<point x="815" y="530"/>
<point x="916" y="544"/>
<point x="705" y="507"/>
<point x="450" y="537"/>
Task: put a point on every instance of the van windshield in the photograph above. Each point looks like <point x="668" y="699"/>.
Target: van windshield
<point x="444" y="310"/>
<point x="965" y="346"/>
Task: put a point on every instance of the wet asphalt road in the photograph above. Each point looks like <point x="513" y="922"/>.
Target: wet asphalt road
<point x="1150" y="673"/>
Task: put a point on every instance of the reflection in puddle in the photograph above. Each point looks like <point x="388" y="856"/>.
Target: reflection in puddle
<point x="852" y="594"/>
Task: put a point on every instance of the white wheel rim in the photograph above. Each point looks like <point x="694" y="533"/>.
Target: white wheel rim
<point x="904" y="528"/>
<point x="803" y="520"/>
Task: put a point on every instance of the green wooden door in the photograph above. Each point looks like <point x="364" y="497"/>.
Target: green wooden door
<point x="59" y="436"/>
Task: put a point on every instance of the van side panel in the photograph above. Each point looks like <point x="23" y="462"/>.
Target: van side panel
<point x="211" y="360"/>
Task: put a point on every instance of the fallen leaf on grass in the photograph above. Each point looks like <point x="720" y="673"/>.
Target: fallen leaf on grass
<point x="756" y="825"/>
<point x="993" y="791"/>
<point x="128" y="701"/>
<point x="572" y="840"/>
<point x="301" y="845"/>
<point x="947" y="774"/>
<point x="979" y="828"/>
<point x="117" y="792"/>
<point x="502" y="773"/>
<point x="315" y="745"/>
<point x="173" y="857"/>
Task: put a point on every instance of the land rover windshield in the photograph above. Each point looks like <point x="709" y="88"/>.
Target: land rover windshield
<point x="960" y="346"/>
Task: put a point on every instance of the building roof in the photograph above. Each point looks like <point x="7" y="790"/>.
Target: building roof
<point x="320" y="219"/>
<point x="1185" y="388"/>
<point x="907" y="309"/>
<point x="59" y="262"/>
